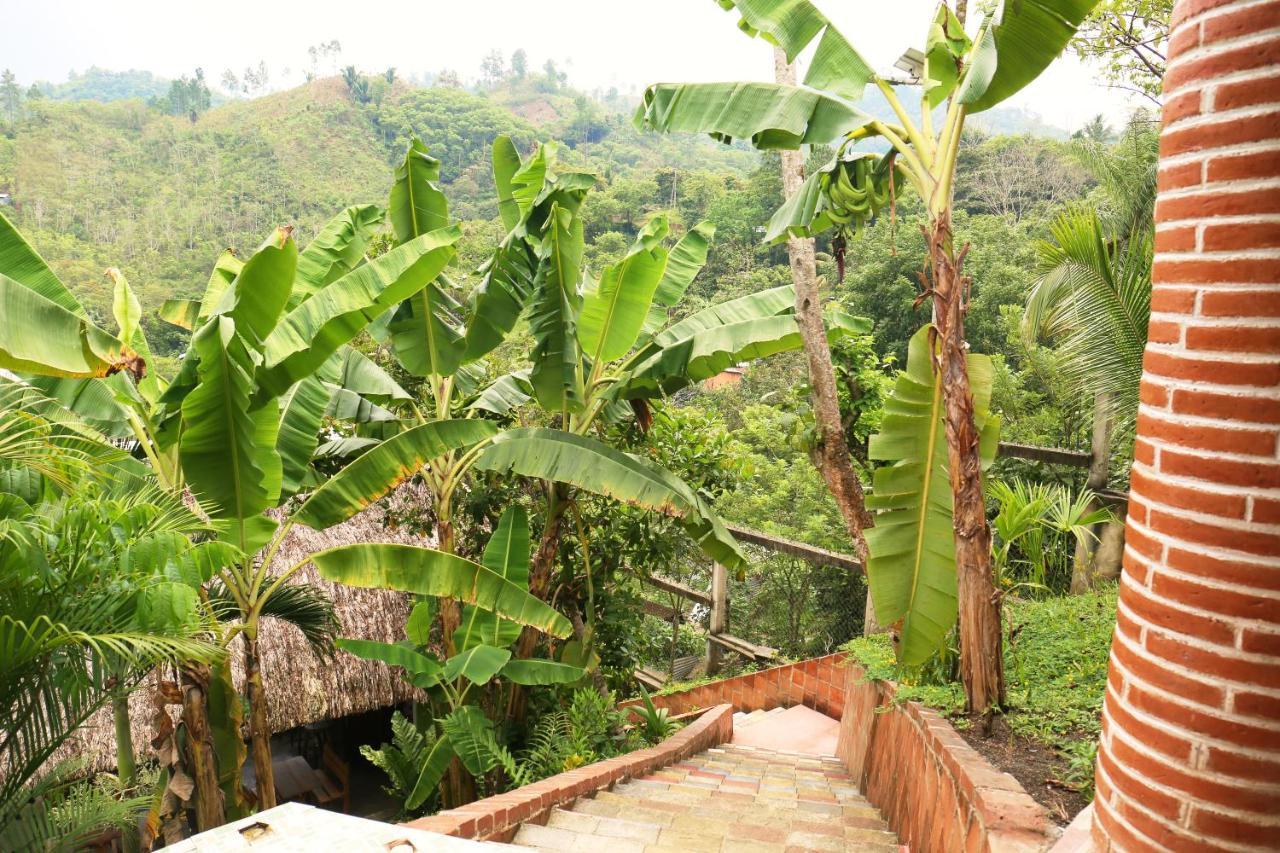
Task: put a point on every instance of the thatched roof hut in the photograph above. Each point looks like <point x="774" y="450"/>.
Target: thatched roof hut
<point x="301" y="689"/>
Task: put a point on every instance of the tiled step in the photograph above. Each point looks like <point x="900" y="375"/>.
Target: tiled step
<point x="731" y="798"/>
<point x="746" y="718"/>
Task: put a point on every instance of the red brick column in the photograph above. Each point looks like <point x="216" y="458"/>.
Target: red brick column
<point x="1190" y="751"/>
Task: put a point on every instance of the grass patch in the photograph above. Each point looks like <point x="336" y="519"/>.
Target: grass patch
<point x="1055" y="659"/>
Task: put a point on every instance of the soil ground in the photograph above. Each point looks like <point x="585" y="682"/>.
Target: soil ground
<point x="1036" y="766"/>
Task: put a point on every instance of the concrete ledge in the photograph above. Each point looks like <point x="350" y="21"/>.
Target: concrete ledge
<point x="497" y="818"/>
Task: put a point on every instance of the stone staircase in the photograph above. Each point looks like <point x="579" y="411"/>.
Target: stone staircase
<point x="730" y="798"/>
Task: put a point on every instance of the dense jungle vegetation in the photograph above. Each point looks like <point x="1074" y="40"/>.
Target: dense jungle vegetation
<point x="483" y="336"/>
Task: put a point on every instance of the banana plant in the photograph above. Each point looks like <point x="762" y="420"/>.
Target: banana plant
<point x="238" y="424"/>
<point x="912" y="570"/>
<point x="1010" y="47"/>
<point x="496" y="603"/>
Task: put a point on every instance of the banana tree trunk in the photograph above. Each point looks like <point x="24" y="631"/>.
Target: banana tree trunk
<point x="981" y="661"/>
<point x="831" y="454"/>
<point x="199" y="747"/>
<point x="259" y="729"/>
<point x="450" y="612"/>
<point x="540" y="569"/>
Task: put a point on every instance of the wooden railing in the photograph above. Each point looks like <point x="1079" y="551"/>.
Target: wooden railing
<point x="719" y="640"/>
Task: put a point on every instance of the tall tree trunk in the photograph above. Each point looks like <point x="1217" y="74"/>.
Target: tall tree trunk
<point x="199" y="747"/>
<point x="981" y="661"/>
<point x="259" y="728"/>
<point x="831" y="453"/>
<point x="1083" y="568"/>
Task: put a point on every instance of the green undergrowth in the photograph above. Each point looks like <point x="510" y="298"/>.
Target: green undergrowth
<point x="1055" y="658"/>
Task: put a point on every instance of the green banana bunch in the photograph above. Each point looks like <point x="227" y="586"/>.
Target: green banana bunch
<point x="854" y="190"/>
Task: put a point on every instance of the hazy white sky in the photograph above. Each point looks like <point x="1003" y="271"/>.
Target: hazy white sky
<point x="600" y="43"/>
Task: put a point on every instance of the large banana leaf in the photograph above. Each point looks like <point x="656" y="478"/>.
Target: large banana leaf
<point x="505" y="394"/>
<point x="424" y="335"/>
<point x="684" y="263"/>
<point x="770" y="115"/>
<point x="313" y="331"/>
<point x="336" y="250"/>
<point x="351" y="407"/>
<point x="1020" y="40"/>
<point x="477" y="664"/>
<point x="224" y="272"/>
<point x="383" y="468"/>
<point x="707" y="352"/>
<point x="506" y="162"/>
<point x="555" y="455"/>
<point x="556" y="374"/>
<point x="793" y="25"/>
<point x="614" y="312"/>
<point x="423" y="671"/>
<point x="302" y="412"/>
<point x="228" y="452"/>
<point x="541" y="672"/>
<point x="261" y="290"/>
<point x="506" y="554"/>
<point x="417" y="204"/>
<point x="37" y="335"/>
<point x="183" y="313"/>
<point x="501" y="296"/>
<point x="912" y="568"/>
<point x="359" y="374"/>
<point x="22" y="263"/>
<point x="424" y="571"/>
<point x="94" y="401"/>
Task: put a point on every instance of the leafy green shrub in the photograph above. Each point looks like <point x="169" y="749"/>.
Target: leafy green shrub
<point x="402" y="759"/>
<point x="1055" y="658"/>
<point x="590" y="729"/>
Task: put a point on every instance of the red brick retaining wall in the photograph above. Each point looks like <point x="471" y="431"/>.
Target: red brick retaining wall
<point x="1190" y="752"/>
<point x="817" y="683"/>
<point x="934" y="789"/>
<point x="496" y="818"/>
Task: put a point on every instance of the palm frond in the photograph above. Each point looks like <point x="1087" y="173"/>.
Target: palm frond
<point x="1093" y="297"/>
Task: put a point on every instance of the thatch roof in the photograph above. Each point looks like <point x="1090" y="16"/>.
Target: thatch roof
<point x="300" y="688"/>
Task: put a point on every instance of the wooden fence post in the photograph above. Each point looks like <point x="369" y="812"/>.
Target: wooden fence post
<point x="719" y="620"/>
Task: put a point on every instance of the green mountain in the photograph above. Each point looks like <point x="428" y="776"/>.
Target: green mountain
<point x="99" y="84"/>
<point x="98" y="185"/>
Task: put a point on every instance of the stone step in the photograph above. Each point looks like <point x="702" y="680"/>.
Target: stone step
<point x="729" y="798"/>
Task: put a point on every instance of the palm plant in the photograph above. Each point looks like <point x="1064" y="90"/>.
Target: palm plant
<point x="1011" y="47"/>
<point x="1093" y="298"/>
<point x="1093" y="295"/>
<point x="95" y="588"/>
<point x="1036" y="526"/>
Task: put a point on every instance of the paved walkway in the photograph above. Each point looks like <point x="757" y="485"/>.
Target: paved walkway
<point x="731" y="799"/>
